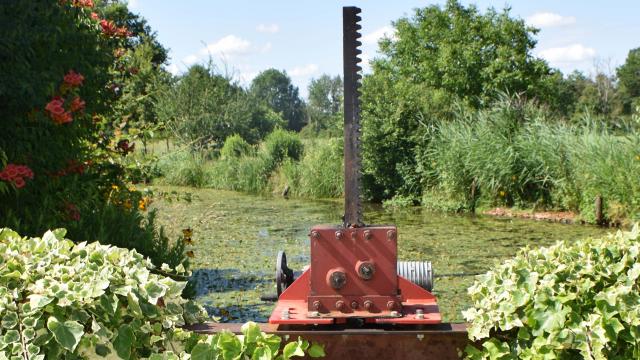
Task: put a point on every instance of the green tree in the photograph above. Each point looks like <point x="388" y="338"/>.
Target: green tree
<point x="274" y="87"/>
<point x="203" y="108"/>
<point x="439" y="59"/>
<point x="325" y="104"/>
<point x="629" y="79"/>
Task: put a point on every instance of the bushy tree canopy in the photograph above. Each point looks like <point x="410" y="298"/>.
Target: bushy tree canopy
<point x="274" y="87"/>
<point x="438" y="59"/>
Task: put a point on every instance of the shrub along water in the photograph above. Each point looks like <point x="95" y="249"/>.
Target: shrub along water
<point x="312" y="170"/>
<point x="513" y="154"/>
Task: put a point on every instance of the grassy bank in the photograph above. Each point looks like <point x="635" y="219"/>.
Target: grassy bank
<point x="514" y="154"/>
<point x="282" y="163"/>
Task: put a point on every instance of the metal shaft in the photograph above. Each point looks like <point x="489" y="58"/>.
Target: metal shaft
<point x="352" y="205"/>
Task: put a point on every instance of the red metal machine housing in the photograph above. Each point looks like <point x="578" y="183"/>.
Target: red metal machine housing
<point x="353" y="274"/>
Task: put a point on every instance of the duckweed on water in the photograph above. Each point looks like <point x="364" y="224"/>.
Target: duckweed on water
<point x="236" y="239"/>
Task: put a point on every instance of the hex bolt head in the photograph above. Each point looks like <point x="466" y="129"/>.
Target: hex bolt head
<point x="368" y="304"/>
<point x="315" y="235"/>
<point x="368" y="235"/>
<point x="316" y="305"/>
<point x="339" y="235"/>
<point x="391" y="305"/>
<point x="354" y="304"/>
<point x="340" y="305"/>
<point x="419" y="314"/>
<point x="391" y="235"/>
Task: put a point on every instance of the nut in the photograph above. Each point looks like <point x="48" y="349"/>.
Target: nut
<point x="339" y="235"/>
<point x="316" y="305"/>
<point x="368" y="235"/>
<point x="340" y="305"/>
<point x="391" y="235"/>
<point x="314" y="314"/>
<point x="391" y="304"/>
<point x="354" y="304"/>
<point x="315" y="234"/>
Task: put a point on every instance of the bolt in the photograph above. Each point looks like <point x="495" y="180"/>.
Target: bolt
<point x="366" y="270"/>
<point x="339" y="235"/>
<point x="314" y="314"/>
<point x="337" y="279"/>
<point x="340" y="305"/>
<point x="316" y="305"/>
<point x="394" y="314"/>
<point x="391" y="235"/>
<point x="354" y="304"/>
<point x="391" y="304"/>
<point x="315" y="234"/>
<point x="419" y="314"/>
<point x="285" y="314"/>
<point x="420" y="336"/>
<point x="368" y="304"/>
<point x="367" y="235"/>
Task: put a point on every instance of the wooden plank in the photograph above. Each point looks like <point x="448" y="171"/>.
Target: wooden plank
<point x="441" y="341"/>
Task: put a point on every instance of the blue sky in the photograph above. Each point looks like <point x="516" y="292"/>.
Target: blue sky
<point x="304" y="37"/>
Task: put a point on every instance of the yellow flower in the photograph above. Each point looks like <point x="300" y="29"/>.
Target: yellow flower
<point x="638" y="157"/>
<point x="187" y="232"/>
<point x="142" y="205"/>
<point x="514" y="178"/>
<point x="114" y="187"/>
<point x="502" y="193"/>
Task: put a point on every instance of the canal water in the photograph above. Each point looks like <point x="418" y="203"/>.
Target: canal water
<point x="237" y="236"/>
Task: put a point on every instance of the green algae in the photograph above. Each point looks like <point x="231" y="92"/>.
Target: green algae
<point x="237" y="236"/>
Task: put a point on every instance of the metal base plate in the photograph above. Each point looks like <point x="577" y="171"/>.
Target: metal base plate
<point x="292" y="307"/>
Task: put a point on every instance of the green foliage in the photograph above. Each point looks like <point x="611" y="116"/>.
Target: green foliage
<point x="61" y="118"/>
<point x="282" y="144"/>
<point x="628" y="73"/>
<point x="203" y="108"/>
<point x="577" y="300"/>
<point x="60" y="300"/>
<point x="253" y="344"/>
<point x="274" y="88"/>
<point x="325" y="107"/>
<point x="235" y="146"/>
<point x="183" y="168"/>
<point x="319" y="174"/>
<point x="514" y="155"/>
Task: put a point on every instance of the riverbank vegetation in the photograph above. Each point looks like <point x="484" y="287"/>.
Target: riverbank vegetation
<point x="502" y="128"/>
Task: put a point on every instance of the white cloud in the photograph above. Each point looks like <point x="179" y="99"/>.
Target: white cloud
<point x="133" y="4"/>
<point x="268" y="28"/>
<point x="548" y="19"/>
<point x="571" y="53"/>
<point x="306" y="70"/>
<point x="266" y="48"/>
<point x="376" y="35"/>
<point x="191" y="59"/>
<point x="228" y="46"/>
<point x="173" y="68"/>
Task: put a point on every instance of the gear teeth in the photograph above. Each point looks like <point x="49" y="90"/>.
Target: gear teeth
<point x="352" y="85"/>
